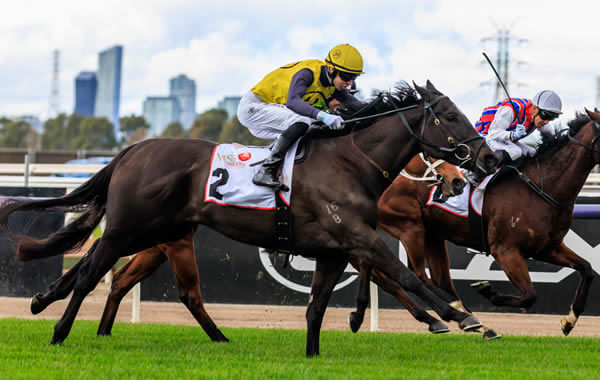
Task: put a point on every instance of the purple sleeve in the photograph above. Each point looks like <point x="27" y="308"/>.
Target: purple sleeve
<point x="300" y="82"/>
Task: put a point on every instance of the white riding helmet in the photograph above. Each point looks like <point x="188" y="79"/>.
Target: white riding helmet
<point x="548" y="100"/>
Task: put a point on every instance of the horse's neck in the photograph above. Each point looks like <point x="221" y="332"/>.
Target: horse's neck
<point x="565" y="173"/>
<point x="416" y="167"/>
<point x="388" y="144"/>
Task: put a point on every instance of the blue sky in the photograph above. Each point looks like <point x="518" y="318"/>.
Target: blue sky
<point x="227" y="46"/>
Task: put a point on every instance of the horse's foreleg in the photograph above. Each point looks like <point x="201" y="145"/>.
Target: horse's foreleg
<point x="183" y="261"/>
<point x="515" y="267"/>
<point x="142" y="265"/>
<point x="435" y="325"/>
<point x="327" y="273"/>
<point x="383" y="259"/>
<point x="60" y="288"/>
<point x="565" y="257"/>
<point x="362" y="300"/>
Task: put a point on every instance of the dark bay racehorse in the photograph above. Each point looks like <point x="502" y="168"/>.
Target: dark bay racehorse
<point x="152" y="193"/>
<point x="521" y="223"/>
<point x="180" y="255"/>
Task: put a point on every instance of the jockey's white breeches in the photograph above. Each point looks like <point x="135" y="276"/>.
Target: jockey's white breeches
<point x="514" y="148"/>
<point x="266" y="120"/>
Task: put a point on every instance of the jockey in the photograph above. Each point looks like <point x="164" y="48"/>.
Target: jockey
<point x="503" y="125"/>
<point x="286" y="102"/>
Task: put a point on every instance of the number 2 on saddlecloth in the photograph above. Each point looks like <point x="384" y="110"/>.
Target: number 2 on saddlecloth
<point x="223" y="176"/>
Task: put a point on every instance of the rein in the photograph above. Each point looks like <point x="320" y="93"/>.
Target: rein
<point x="427" y="106"/>
<point x="540" y="189"/>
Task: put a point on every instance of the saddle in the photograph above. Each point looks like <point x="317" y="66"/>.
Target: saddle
<point x="477" y="224"/>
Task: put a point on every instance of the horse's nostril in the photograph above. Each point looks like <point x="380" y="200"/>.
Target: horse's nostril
<point x="458" y="183"/>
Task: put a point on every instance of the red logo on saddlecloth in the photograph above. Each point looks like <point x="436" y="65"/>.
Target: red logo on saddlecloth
<point x="245" y="156"/>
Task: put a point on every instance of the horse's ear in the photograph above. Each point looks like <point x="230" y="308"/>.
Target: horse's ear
<point x="425" y="94"/>
<point x="594" y="115"/>
<point x="432" y="88"/>
<point x="596" y="109"/>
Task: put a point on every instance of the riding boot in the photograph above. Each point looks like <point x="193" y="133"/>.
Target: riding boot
<point x="267" y="174"/>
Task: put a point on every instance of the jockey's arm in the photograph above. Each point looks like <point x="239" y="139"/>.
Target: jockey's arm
<point x="300" y="82"/>
<point x="502" y="119"/>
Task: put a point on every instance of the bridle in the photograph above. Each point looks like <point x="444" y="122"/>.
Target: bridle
<point x="430" y="175"/>
<point x="427" y="107"/>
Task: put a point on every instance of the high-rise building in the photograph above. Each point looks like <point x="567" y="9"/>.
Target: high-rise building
<point x="230" y="105"/>
<point x="85" y="93"/>
<point x="160" y="111"/>
<point x="184" y="89"/>
<point x="108" y="95"/>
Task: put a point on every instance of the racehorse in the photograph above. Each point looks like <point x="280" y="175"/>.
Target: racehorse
<point x="152" y="193"/>
<point x="181" y="257"/>
<point x="527" y="213"/>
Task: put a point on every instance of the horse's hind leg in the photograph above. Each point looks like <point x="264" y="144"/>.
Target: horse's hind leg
<point x="60" y="288"/>
<point x="142" y="265"/>
<point x="183" y="261"/>
<point x="102" y="259"/>
<point x="565" y="257"/>
<point x="327" y="273"/>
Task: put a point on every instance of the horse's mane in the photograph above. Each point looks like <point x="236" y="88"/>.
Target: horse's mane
<point x="560" y="139"/>
<point x="402" y="96"/>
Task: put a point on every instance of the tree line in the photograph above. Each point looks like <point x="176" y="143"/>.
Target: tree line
<point x="73" y="132"/>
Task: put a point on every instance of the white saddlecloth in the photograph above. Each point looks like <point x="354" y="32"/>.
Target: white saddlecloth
<point x="459" y="205"/>
<point x="231" y="172"/>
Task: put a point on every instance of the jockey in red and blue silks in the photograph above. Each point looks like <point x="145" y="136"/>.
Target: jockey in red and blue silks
<point x="504" y="124"/>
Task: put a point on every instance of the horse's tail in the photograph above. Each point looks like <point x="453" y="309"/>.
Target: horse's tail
<point x="90" y="198"/>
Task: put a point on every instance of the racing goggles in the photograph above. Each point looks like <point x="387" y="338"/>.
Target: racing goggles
<point x="346" y="77"/>
<point x="547" y="115"/>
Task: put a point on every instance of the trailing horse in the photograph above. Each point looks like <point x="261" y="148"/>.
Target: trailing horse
<point x="527" y="213"/>
<point x="151" y="193"/>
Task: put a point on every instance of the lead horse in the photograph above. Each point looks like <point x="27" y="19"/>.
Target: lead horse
<point x="152" y="193"/>
<point x="180" y="255"/>
<point x="527" y="213"/>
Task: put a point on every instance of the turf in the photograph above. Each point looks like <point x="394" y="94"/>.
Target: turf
<point x="165" y="351"/>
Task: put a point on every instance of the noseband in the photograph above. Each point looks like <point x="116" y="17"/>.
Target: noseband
<point x="430" y="175"/>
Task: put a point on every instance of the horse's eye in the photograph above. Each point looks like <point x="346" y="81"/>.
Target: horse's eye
<point x="451" y="117"/>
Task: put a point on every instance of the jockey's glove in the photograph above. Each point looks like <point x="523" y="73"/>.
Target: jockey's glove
<point x="332" y="121"/>
<point x="519" y="132"/>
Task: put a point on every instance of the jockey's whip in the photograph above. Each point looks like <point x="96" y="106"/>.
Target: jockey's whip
<point x="502" y="83"/>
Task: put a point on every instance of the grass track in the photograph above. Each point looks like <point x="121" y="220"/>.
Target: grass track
<point x="165" y="351"/>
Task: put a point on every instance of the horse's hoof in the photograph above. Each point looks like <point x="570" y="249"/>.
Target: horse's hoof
<point x="36" y="305"/>
<point x="355" y="321"/>
<point x="469" y="323"/>
<point x="480" y="285"/>
<point x="566" y="326"/>
<point x="439" y="327"/>
<point x="491" y="334"/>
<point x="56" y="341"/>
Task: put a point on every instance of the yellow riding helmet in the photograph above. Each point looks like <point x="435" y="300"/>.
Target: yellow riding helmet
<point x="345" y="58"/>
